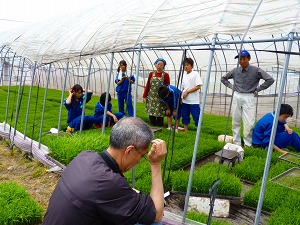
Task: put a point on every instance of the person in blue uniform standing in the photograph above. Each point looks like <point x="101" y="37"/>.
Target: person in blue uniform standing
<point x="74" y="105"/>
<point x="123" y="89"/>
<point x="284" y="135"/>
<point x="99" y="112"/>
<point x="171" y="97"/>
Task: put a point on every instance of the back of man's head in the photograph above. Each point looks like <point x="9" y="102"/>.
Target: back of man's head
<point x="163" y="91"/>
<point x="286" y="109"/>
<point x="130" y="131"/>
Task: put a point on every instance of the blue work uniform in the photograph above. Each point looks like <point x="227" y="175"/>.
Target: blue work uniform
<point x="124" y="93"/>
<point x="262" y="133"/>
<point x="99" y="114"/>
<point x="173" y="99"/>
<point x="75" y="112"/>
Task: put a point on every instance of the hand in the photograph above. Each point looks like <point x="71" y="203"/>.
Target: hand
<point x="168" y="111"/>
<point x="255" y="93"/>
<point x="115" y="118"/>
<point x="174" y="113"/>
<point x="289" y="130"/>
<point x="71" y="91"/>
<point x="144" y="100"/>
<point x="185" y="94"/>
<point x="157" y="151"/>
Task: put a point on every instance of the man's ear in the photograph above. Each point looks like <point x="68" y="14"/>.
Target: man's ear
<point x="129" y="149"/>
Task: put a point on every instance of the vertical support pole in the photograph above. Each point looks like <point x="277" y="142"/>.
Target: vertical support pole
<point x="3" y="64"/>
<point x="136" y="84"/>
<point x="19" y="96"/>
<point x="8" y="91"/>
<point x="29" y="99"/>
<point x="62" y="98"/>
<point x="205" y="88"/>
<point x="44" y="105"/>
<point x="86" y="90"/>
<point x="273" y="132"/>
<point x="107" y="90"/>
<point x="137" y="74"/>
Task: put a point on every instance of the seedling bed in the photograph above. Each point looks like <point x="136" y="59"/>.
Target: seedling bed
<point x="289" y="179"/>
<point x="291" y="157"/>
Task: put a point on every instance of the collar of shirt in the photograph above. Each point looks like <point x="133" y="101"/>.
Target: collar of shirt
<point x="110" y="162"/>
<point x="244" y="69"/>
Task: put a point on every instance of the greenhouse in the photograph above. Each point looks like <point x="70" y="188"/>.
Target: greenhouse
<point x="41" y="61"/>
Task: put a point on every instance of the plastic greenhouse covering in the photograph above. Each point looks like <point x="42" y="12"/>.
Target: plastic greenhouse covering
<point x="113" y="26"/>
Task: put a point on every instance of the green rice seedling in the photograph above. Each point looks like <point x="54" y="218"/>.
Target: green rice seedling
<point x="17" y="206"/>
<point x="293" y="158"/>
<point x="279" y="168"/>
<point x="288" y="212"/>
<point x="144" y="184"/>
<point x="290" y="179"/>
<point x="203" y="179"/>
<point x="180" y="179"/>
<point x="261" y="153"/>
<point x="66" y="147"/>
<point x="275" y="195"/>
<point x="202" y="218"/>
<point x="250" y="169"/>
<point x="215" y="125"/>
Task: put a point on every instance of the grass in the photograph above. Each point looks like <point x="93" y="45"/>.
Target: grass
<point x="202" y="218"/>
<point x="253" y="165"/>
<point x="203" y="179"/>
<point x="17" y="207"/>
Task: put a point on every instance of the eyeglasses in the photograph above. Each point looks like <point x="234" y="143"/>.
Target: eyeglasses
<point x="143" y="156"/>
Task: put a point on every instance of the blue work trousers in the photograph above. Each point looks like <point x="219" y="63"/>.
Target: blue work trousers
<point x="284" y="139"/>
<point x="88" y="122"/>
<point x="188" y="109"/>
<point x="127" y="98"/>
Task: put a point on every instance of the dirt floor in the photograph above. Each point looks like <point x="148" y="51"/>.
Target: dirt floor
<point x="15" y="166"/>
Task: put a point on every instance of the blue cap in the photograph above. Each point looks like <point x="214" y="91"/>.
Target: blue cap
<point x="160" y="59"/>
<point x="243" y="53"/>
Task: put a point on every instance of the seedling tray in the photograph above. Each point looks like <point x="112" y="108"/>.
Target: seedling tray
<point x="289" y="179"/>
<point x="291" y="158"/>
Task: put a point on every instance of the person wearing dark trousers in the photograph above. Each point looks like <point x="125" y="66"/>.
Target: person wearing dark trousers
<point x="123" y="89"/>
<point x="74" y="105"/>
<point x="111" y="118"/>
<point x="154" y="106"/>
<point x="284" y="137"/>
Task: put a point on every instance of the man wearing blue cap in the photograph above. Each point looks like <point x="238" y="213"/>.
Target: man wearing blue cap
<point x="246" y="86"/>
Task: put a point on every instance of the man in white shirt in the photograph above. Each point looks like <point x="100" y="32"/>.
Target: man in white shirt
<point x="191" y="84"/>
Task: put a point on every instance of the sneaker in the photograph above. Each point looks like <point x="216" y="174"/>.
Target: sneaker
<point x="176" y="130"/>
<point x="69" y="130"/>
<point x="169" y="128"/>
<point x="98" y="126"/>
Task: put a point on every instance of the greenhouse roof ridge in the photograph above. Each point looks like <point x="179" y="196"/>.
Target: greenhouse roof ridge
<point x="115" y="26"/>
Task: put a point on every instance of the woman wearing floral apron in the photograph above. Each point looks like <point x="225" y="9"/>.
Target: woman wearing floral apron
<point x="154" y="106"/>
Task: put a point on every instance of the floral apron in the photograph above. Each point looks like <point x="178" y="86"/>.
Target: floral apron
<point x="154" y="104"/>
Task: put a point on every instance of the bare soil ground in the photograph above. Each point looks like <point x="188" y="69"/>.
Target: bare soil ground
<point x="15" y="166"/>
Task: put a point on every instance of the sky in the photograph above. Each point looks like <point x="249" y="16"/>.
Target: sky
<point x="16" y="13"/>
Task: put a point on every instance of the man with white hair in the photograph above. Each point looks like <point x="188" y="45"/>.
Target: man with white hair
<point x="93" y="190"/>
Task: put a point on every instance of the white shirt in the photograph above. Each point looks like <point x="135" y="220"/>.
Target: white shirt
<point x="190" y="80"/>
